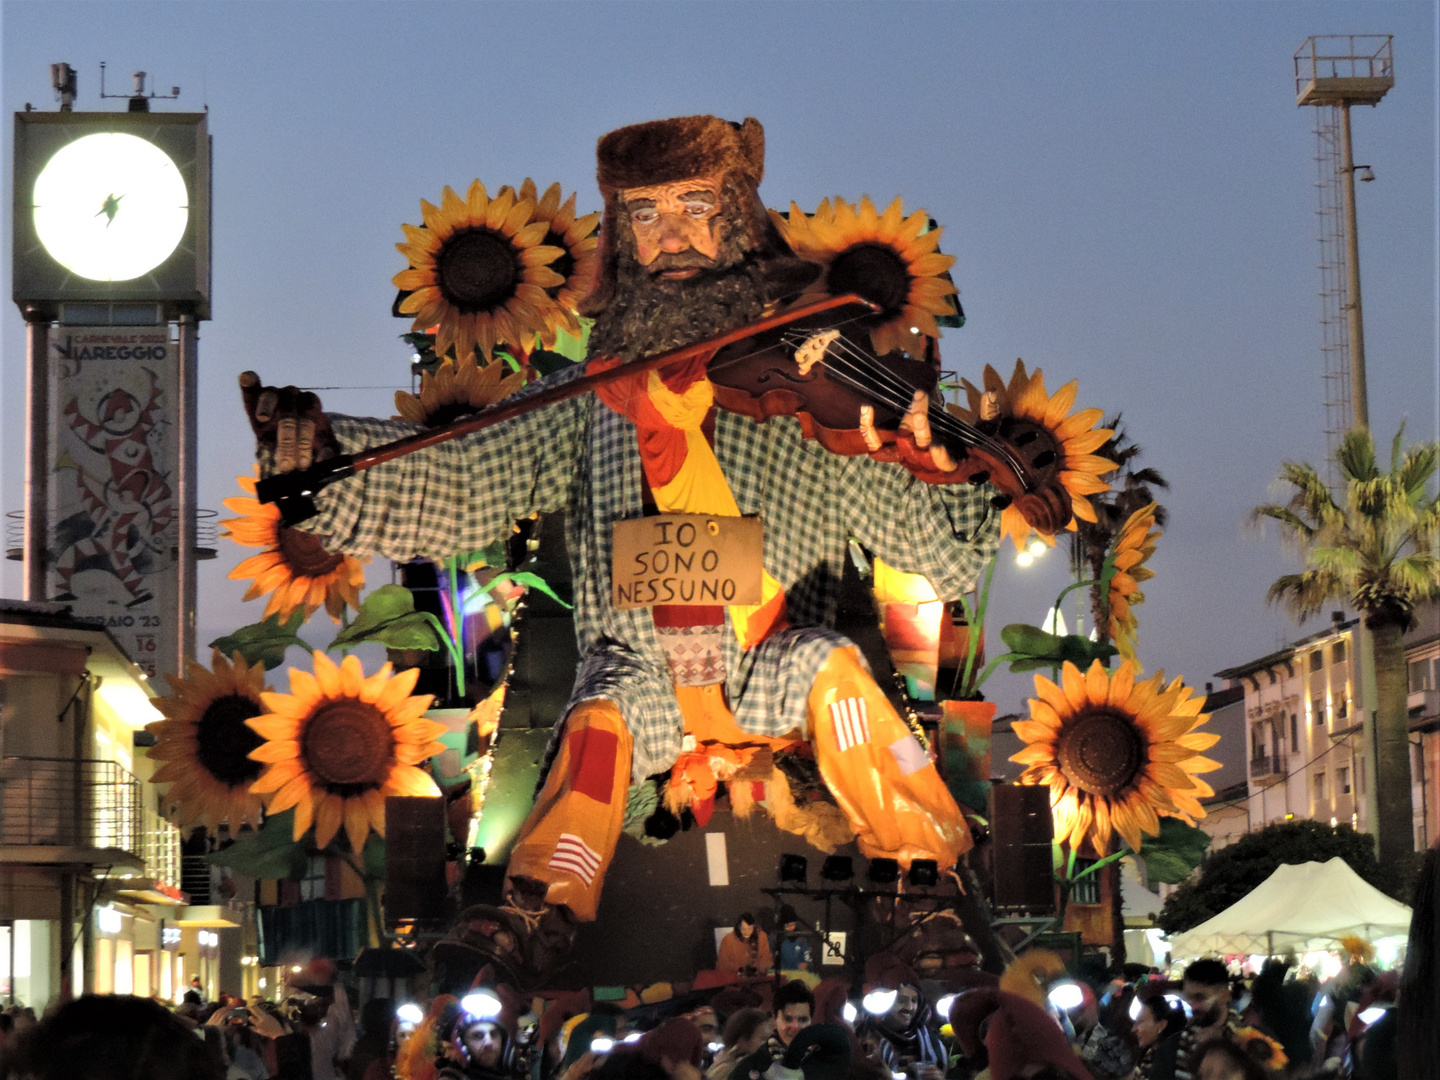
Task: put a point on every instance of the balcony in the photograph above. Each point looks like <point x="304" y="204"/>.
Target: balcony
<point x="160" y="850"/>
<point x="68" y="811"/>
<point x="1267" y="768"/>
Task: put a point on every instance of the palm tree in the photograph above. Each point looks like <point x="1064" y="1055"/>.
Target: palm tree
<point x="1375" y="552"/>
<point x="1131" y="488"/>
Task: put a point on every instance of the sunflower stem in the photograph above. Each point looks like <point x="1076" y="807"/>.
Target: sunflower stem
<point x="1071" y="588"/>
<point x="457" y="625"/>
<point x="975" y="619"/>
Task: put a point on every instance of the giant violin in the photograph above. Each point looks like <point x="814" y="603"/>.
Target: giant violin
<point x="755" y="372"/>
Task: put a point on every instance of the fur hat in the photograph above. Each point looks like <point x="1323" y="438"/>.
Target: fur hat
<point x="664" y="151"/>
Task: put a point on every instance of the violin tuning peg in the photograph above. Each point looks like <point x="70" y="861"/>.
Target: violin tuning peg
<point x="982" y="477"/>
<point x="1000" y="502"/>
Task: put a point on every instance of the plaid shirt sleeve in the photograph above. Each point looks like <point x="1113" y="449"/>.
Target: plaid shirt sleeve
<point x="947" y="532"/>
<point x="459" y="496"/>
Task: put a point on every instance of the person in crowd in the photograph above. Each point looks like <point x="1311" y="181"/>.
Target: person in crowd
<point x="910" y="1040"/>
<point x="708" y="1021"/>
<point x="1221" y="1059"/>
<point x="818" y="1052"/>
<point x="111" y="1037"/>
<point x="1108" y="1045"/>
<point x="746" y="949"/>
<point x="1328" y="1032"/>
<point x="797" y="945"/>
<point x="1205" y="986"/>
<point x="372" y="1058"/>
<point x="485" y="1049"/>
<point x="745" y="1032"/>
<point x="1157" y="1035"/>
<point x="1012" y="1038"/>
<point x="326" y="1020"/>
<point x="793" y="1009"/>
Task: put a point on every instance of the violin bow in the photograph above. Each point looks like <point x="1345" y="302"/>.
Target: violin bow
<point x="293" y="493"/>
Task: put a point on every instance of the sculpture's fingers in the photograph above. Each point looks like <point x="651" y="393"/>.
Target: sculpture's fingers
<point x="868" y="434"/>
<point x="305" y="444"/>
<point x="286" y="434"/>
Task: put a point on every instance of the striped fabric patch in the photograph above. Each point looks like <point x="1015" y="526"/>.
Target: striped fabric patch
<point x="576" y="856"/>
<point x="852" y="722"/>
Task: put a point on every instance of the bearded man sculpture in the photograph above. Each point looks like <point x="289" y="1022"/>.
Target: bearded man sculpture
<point x="687" y="252"/>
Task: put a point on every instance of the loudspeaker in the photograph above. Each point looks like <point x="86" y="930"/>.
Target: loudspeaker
<point x="414" y="859"/>
<point x="1022" y="831"/>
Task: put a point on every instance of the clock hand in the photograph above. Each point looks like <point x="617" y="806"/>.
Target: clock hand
<point x="108" y="208"/>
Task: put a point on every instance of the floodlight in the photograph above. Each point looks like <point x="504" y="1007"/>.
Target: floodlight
<point x="837" y="868"/>
<point x="793" y="868"/>
<point x="633" y="1037"/>
<point x="716" y="1047"/>
<point x="601" y="1044"/>
<point x="1136" y="1007"/>
<point x="1364" y="174"/>
<point x="482" y="1004"/>
<point x="878" y="1002"/>
<point x="409" y="1013"/>
<point x="884" y="871"/>
<point x="1066" y="995"/>
<point x="1373" y="1013"/>
<point x="942" y="1007"/>
<point x="924" y="873"/>
<point x="1178" y="1002"/>
<point x="849" y="1012"/>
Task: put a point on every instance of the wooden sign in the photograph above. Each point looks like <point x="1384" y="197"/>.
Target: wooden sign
<point x="687" y="560"/>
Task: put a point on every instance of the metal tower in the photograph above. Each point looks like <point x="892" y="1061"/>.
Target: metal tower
<point x="1334" y="72"/>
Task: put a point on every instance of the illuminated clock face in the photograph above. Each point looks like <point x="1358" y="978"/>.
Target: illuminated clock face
<point x="110" y="206"/>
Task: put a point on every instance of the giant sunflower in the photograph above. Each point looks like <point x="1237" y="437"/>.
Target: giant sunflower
<point x="478" y="271"/>
<point x="1115" y="753"/>
<point x="1134" y="545"/>
<point x="456" y="389"/>
<point x="885" y="257"/>
<point x="1023" y="402"/>
<point x="295" y="568"/>
<point x="338" y="743"/>
<point x="205" y="743"/>
<point x="579" y="241"/>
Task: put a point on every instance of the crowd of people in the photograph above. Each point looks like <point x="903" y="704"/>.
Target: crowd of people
<point x="1035" y="1022"/>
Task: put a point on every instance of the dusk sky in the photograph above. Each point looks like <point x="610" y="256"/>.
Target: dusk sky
<point x="1128" y="189"/>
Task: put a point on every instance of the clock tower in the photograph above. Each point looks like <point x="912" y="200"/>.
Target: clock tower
<point x="111" y="272"/>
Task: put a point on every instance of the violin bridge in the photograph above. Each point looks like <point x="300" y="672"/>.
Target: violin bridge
<point x="812" y="350"/>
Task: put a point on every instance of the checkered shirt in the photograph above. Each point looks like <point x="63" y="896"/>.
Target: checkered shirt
<point x="581" y="458"/>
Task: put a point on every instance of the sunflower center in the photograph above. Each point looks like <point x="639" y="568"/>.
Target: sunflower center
<point x="223" y="742"/>
<point x="564" y="265"/>
<point x="875" y="272"/>
<point x="477" y="270"/>
<point x="347" y="744"/>
<point x="1100" y="751"/>
<point x="305" y="554"/>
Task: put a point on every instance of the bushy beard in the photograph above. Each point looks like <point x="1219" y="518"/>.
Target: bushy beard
<point x="651" y="314"/>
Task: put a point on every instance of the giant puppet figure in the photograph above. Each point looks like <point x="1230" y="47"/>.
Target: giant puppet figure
<point x="687" y="251"/>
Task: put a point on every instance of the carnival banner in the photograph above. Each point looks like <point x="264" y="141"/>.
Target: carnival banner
<point x="113" y="453"/>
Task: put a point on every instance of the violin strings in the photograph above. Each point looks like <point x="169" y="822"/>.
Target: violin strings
<point x="902" y="395"/>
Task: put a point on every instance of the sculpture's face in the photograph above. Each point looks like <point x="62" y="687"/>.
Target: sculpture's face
<point x="674" y="225"/>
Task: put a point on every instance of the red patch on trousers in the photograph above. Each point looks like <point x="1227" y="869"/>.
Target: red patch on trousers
<point x="592" y="762"/>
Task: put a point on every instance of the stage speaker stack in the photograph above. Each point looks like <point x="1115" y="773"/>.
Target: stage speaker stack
<point x="414" y="859"/>
<point x="1021" y="831"/>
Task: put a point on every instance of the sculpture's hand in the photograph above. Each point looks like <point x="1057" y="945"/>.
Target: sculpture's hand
<point x="912" y="446"/>
<point x="288" y="420"/>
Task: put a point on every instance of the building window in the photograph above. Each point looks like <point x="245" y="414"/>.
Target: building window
<point x="1337" y="653"/>
<point x="1342" y="780"/>
<point x="1257" y="743"/>
<point x="1294" y="732"/>
<point x="1417" y="763"/>
<point x="1317" y="660"/>
<point x="1086" y="890"/>
<point x="1422" y="676"/>
<point x="1320" y="787"/>
<point x="1342" y="708"/>
<point x="1317" y="707"/>
<point x="312" y="885"/>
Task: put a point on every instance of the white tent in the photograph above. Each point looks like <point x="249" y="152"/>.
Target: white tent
<point x="1303" y="908"/>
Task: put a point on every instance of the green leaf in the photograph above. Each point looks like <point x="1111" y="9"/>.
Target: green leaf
<point x="1030" y="640"/>
<point x="268" y="852"/>
<point x="388" y="616"/>
<point x="264" y="642"/>
<point x="1171" y="856"/>
<point x="530" y="581"/>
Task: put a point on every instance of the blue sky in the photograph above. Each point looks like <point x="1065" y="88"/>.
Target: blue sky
<point x="1128" y="189"/>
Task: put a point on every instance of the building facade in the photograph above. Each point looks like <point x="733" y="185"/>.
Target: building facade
<point x="91" y="880"/>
